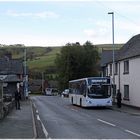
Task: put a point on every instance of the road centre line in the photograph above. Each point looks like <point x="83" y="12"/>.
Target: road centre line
<point x="132" y="133"/>
<point x="106" y="122"/>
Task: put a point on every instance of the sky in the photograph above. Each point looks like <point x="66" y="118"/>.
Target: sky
<point x="56" y="23"/>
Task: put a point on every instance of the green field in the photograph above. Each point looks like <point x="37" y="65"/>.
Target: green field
<point x="43" y="57"/>
<point x="44" y="61"/>
<point x="102" y="47"/>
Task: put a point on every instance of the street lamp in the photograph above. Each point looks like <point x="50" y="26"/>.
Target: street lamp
<point x="42" y="82"/>
<point x="113" y="46"/>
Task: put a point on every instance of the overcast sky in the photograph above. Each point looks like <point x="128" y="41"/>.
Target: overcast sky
<point x="55" y="23"/>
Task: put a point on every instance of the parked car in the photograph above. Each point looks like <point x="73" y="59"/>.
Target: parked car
<point x="51" y="91"/>
<point x="65" y="93"/>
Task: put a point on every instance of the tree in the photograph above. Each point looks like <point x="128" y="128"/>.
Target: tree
<point x="76" y="61"/>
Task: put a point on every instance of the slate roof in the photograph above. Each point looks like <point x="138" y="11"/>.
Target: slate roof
<point x="129" y="50"/>
<point x="12" y="66"/>
<point x="107" y="57"/>
<point x="12" y="78"/>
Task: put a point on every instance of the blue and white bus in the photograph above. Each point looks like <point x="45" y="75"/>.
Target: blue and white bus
<point x="91" y="91"/>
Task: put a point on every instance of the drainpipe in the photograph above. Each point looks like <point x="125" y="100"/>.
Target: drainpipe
<point x="119" y="76"/>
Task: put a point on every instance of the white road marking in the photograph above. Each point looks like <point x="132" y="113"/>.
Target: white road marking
<point x="36" y="111"/>
<point x="106" y="122"/>
<point x="34" y="105"/>
<point x="43" y="127"/>
<point x="74" y="109"/>
<point x="38" y="118"/>
<point x="132" y="133"/>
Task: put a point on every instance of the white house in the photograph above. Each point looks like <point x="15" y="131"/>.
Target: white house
<point x="126" y="70"/>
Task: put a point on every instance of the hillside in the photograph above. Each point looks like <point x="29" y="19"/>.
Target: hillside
<point x="108" y="46"/>
<point x="44" y="59"/>
<point x="40" y="58"/>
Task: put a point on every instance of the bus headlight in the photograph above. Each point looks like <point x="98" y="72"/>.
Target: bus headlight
<point x="109" y="101"/>
<point x="89" y="102"/>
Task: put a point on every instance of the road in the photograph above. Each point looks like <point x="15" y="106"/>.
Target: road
<point x="61" y="120"/>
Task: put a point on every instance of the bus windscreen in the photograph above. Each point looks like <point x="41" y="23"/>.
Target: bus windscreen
<point x="99" y="91"/>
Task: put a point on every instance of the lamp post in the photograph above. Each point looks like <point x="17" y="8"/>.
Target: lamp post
<point x="42" y="82"/>
<point x="113" y="55"/>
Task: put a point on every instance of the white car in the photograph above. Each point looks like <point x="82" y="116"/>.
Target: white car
<point x="65" y="93"/>
<point x="51" y="91"/>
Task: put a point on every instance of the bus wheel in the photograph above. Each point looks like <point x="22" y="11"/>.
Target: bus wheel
<point x="72" y="100"/>
<point x="80" y="102"/>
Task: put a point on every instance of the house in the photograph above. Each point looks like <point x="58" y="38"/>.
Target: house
<point x="35" y="85"/>
<point x="126" y="70"/>
<point x="11" y="74"/>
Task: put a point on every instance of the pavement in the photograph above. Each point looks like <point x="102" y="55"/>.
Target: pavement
<point x="127" y="109"/>
<point x="20" y="124"/>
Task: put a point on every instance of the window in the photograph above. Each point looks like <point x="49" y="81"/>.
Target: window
<point x="126" y="92"/>
<point x="126" y="67"/>
<point x="116" y="68"/>
<point x="110" y="69"/>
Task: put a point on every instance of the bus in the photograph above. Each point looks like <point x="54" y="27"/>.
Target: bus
<point x="91" y="92"/>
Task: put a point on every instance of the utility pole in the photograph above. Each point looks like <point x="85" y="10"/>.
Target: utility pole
<point x="25" y="75"/>
<point x="42" y="82"/>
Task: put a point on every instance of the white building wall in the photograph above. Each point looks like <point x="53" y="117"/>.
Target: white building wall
<point x="132" y="79"/>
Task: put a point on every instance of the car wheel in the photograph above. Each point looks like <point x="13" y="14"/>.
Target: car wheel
<point x="80" y="102"/>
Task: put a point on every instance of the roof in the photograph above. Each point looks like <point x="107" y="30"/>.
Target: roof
<point x="12" y="66"/>
<point x="129" y="50"/>
<point x="10" y="78"/>
<point x="107" y="57"/>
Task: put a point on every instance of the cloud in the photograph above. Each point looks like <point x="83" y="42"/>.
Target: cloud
<point x="90" y="32"/>
<point x="43" y="15"/>
<point x="128" y="26"/>
<point x="100" y="29"/>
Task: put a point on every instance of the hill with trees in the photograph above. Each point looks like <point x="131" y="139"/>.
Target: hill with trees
<point x="42" y="59"/>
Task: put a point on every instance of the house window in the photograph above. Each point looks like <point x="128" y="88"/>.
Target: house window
<point x="126" y="92"/>
<point x="110" y="69"/>
<point x="116" y="68"/>
<point x="126" y="67"/>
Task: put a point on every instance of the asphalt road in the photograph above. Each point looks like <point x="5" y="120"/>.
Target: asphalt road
<point x="61" y="120"/>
